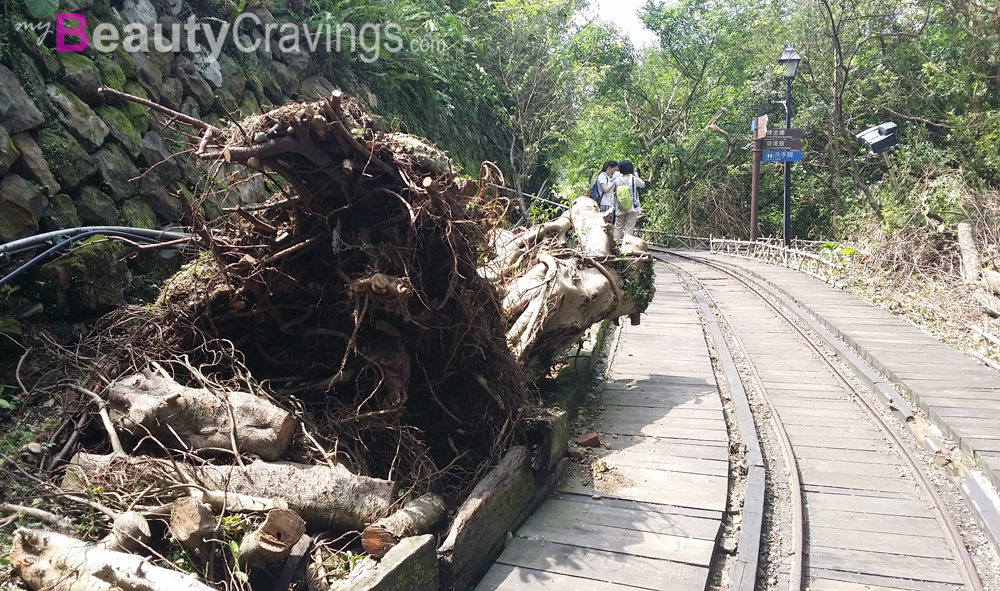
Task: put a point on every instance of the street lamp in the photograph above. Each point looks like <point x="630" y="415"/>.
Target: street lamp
<point x="790" y="61"/>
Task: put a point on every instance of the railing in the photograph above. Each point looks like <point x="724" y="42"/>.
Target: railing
<point x="805" y="256"/>
<point x="673" y="240"/>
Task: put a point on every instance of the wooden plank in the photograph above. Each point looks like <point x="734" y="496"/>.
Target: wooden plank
<point x="879" y="456"/>
<point x="888" y="544"/>
<point x="588" y="563"/>
<point x="656" y="429"/>
<point x="840" y="443"/>
<point x="889" y="469"/>
<point x="859" y="482"/>
<point x="863" y="432"/>
<point x="555" y="512"/>
<point x="818" y="503"/>
<point x="664" y="408"/>
<point x="923" y="525"/>
<point x="483" y="520"/>
<point x="855" y="492"/>
<point x="646" y="507"/>
<point x="783" y="402"/>
<point x="708" y="419"/>
<point x="623" y="541"/>
<point x="679" y="401"/>
<point x="666" y="448"/>
<point x="503" y="577"/>
<point x="935" y="570"/>
<point x="667" y="488"/>
<point x="668" y="463"/>
<point x="864" y="583"/>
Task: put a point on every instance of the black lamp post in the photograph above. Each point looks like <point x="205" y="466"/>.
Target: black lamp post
<point x="790" y="60"/>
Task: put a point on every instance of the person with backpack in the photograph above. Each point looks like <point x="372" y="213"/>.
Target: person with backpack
<point x="626" y="199"/>
<point x="603" y="189"/>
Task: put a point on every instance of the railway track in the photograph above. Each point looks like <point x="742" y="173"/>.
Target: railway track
<point x="863" y="514"/>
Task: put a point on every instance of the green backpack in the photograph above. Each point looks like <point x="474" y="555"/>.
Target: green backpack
<point x="623" y="198"/>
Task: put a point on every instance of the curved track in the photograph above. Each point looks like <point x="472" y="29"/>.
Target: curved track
<point x="863" y="515"/>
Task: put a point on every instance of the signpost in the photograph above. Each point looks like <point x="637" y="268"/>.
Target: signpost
<point x="771" y="145"/>
<point x="791" y="132"/>
<point x="759" y="132"/>
<point x="782" y="155"/>
<point x="782" y="143"/>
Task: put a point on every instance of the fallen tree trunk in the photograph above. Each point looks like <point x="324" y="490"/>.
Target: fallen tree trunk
<point x="565" y="291"/>
<point x="970" y="252"/>
<point x="326" y="498"/>
<point x="55" y="562"/>
<point x="419" y="516"/>
<point x="197" y="418"/>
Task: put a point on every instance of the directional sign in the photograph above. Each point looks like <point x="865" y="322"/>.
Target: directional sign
<point x="782" y="156"/>
<point x="759" y="127"/>
<point x="782" y="143"/>
<point x="793" y="132"/>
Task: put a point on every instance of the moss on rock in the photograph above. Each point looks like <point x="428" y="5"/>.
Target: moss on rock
<point x="81" y="75"/>
<point x="69" y="162"/>
<point x="111" y="73"/>
<point x="137" y="214"/>
<point x="135" y="112"/>
<point x="92" y="278"/>
<point x="60" y="214"/>
<point x="121" y="128"/>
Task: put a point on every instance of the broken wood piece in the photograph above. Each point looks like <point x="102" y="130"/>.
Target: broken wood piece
<point x="273" y="540"/>
<point x="294" y="567"/>
<point x="51" y="519"/>
<point x="196" y="418"/>
<point x="477" y="533"/>
<point x="231" y="502"/>
<point x="56" y="562"/>
<point x="970" y="252"/>
<point x="327" y="498"/>
<point x="417" y="517"/>
<point x="191" y="522"/>
<point x="129" y="532"/>
<point x="411" y="565"/>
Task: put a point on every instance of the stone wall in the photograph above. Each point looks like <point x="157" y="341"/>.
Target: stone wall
<point x="70" y="157"/>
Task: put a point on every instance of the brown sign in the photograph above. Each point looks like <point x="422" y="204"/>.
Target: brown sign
<point x="794" y="132"/>
<point x="760" y="127"/>
<point x="782" y="143"/>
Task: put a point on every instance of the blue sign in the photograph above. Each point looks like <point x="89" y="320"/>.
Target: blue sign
<point x="782" y="155"/>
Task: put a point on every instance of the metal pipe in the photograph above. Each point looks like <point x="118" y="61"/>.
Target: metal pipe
<point x="15" y="246"/>
<point x="787" y="220"/>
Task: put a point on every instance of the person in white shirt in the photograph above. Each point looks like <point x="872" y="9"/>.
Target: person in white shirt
<point x="606" y="182"/>
<point x="625" y="219"/>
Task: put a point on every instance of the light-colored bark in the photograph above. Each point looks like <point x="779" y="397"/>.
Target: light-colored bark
<point x="196" y="418"/>
<point x="563" y="290"/>
<point x="970" y="253"/>
<point x="192" y="523"/>
<point x="327" y="498"/>
<point x="56" y="562"/>
<point x="129" y="533"/>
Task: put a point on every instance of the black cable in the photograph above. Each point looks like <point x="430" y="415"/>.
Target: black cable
<point x="41" y="257"/>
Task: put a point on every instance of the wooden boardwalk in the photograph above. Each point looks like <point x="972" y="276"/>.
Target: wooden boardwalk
<point x="868" y="524"/>
<point x="657" y="528"/>
<point x="959" y="395"/>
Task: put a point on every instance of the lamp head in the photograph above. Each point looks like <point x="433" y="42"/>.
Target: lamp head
<point x="790" y="60"/>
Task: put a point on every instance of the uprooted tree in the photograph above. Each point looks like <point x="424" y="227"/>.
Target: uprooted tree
<point x="375" y="301"/>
